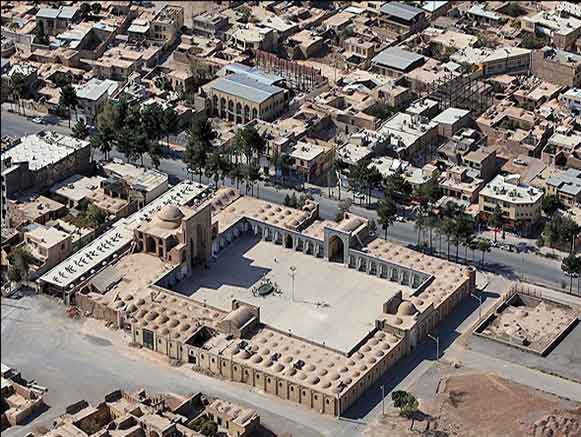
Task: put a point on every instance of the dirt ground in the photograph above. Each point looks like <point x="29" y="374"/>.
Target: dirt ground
<point x="484" y="405"/>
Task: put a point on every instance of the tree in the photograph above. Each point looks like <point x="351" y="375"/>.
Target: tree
<point x="84" y="10"/>
<point x="18" y="83"/>
<point x="372" y="226"/>
<point x="382" y="111"/>
<point x="95" y="216"/>
<point x="169" y="122"/>
<point x="251" y="144"/>
<point x="103" y="140"/>
<point x="407" y="404"/>
<point x="287" y="200"/>
<point x="570" y="232"/>
<point x="386" y="213"/>
<point x="484" y="247"/>
<point x="68" y="99"/>
<point x="571" y="265"/>
<point x="201" y="73"/>
<point x="496" y="220"/>
<point x="209" y="428"/>
<point x="199" y="143"/>
<point x="396" y="187"/>
<point x="551" y="204"/>
<point x="533" y="42"/>
<point x="513" y="9"/>
<point x="151" y="118"/>
<point x="96" y="8"/>
<point x="20" y="260"/>
<point x="80" y="130"/>
<point x="40" y="37"/>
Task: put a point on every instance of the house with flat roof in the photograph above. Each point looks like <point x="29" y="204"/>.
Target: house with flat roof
<point x="451" y="120"/>
<point x="519" y="204"/>
<point x="55" y="20"/>
<point x="395" y="62"/>
<point x="47" y="245"/>
<point x="310" y="159"/>
<point x="93" y="96"/>
<point x="402" y="18"/>
<point x="562" y="30"/>
<point x="557" y="66"/>
<point x="566" y="186"/>
<point x="40" y="160"/>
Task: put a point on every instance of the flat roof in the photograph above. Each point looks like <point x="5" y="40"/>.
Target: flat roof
<point x="43" y="149"/>
<point x="253" y="73"/>
<point x="77" y="187"/>
<point x="96" y="88"/>
<point x="451" y="115"/>
<point x="400" y="10"/>
<point x="397" y="58"/>
<point x="138" y="177"/>
<point x="306" y="151"/>
<point x="90" y="258"/>
<point x="502" y="188"/>
<point x="48" y="236"/>
<point x="568" y="182"/>
<point x="243" y="86"/>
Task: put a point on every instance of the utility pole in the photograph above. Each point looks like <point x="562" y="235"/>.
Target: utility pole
<point x="479" y="299"/>
<point x="437" y="340"/>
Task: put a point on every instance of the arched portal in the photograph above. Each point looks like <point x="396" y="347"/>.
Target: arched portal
<point x="336" y="250"/>
<point x="288" y="242"/>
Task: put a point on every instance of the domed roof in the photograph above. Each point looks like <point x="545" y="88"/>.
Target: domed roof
<point x="240" y="316"/>
<point x="406" y="309"/>
<point x="170" y="216"/>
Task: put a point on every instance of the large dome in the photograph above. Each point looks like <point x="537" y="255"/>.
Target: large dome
<point x="170" y="216"/>
<point x="406" y="309"/>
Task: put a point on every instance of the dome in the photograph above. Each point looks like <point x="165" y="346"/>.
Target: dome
<point x="406" y="309"/>
<point x="170" y="217"/>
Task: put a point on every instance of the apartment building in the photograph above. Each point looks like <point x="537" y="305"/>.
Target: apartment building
<point x="557" y="66"/>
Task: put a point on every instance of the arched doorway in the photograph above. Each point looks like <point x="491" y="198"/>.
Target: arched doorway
<point x="288" y="242"/>
<point x="336" y="250"/>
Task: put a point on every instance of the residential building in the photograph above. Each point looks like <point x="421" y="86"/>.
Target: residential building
<point x="562" y="30"/>
<point x="557" y="66"/>
<point x="92" y="97"/>
<point x="252" y="37"/>
<point x="463" y="183"/>
<point x="572" y="99"/>
<point x="166" y="25"/>
<point x="484" y="16"/>
<point x="310" y="159"/>
<point x="566" y="186"/>
<point x="507" y="60"/>
<point x="411" y="137"/>
<point x="40" y="160"/>
<point x="56" y="20"/>
<point x="47" y="245"/>
<point x="451" y="120"/>
<point x="20" y="400"/>
<point x="394" y="62"/>
<point x="402" y="18"/>
<point x="237" y="420"/>
<point x="210" y="25"/>
<point x="520" y="204"/>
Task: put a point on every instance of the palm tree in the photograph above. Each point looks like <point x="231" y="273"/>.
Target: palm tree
<point x="18" y="82"/>
<point x="169" y="122"/>
<point x="81" y="130"/>
<point x="103" y="141"/>
<point x="484" y="246"/>
<point x="571" y="265"/>
<point x="386" y="212"/>
<point x="68" y="99"/>
<point x="496" y="220"/>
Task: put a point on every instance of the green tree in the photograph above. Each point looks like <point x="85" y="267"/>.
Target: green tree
<point x="68" y="99"/>
<point x="287" y="200"/>
<point x="81" y="130"/>
<point x="251" y="144"/>
<point x="196" y="156"/>
<point x="372" y="226"/>
<point x="551" y="204"/>
<point x="344" y="208"/>
<point x="40" y="37"/>
<point x="386" y="212"/>
<point x="496" y="220"/>
<point x="570" y="232"/>
<point x="20" y="261"/>
<point x="201" y="73"/>
<point x="396" y="187"/>
<point x="382" y="111"/>
<point x="484" y="247"/>
<point x="95" y="216"/>
<point x="571" y="265"/>
<point x="18" y="83"/>
<point x="96" y="8"/>
<point x="407" y="404"/>
<point x="169" y="122"/>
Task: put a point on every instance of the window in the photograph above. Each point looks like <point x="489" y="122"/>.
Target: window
<point x="292" y="389"/>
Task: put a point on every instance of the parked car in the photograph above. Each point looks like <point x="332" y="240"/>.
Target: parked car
<point x="38" y="120"/>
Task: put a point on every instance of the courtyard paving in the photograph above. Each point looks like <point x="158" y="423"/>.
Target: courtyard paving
<point x="332" y="305"/>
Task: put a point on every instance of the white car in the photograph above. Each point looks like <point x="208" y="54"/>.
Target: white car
<point x="37" y="120"/>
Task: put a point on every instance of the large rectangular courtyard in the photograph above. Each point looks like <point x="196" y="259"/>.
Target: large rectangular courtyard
<point x="333" y="305"/>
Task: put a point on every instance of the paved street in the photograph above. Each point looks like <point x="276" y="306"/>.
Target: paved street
<point x="76" y="359"/>
<point x="512" y="265"/>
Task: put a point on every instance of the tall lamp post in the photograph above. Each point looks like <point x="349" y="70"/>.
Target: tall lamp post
<point x="292" y="273"/>
<point x="479" y="299"/>
<point x="437" y="340"/>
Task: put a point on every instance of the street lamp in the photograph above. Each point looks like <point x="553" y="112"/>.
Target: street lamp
<point x="292" y="273"/>
<point x="383" y="400"/>
<point x="437" y="340"/>
<point x="479" y="299"/>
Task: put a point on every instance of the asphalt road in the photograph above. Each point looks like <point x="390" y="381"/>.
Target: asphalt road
<point x="527" y="266"/>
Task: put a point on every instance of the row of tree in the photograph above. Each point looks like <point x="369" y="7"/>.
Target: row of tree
<point x="239" y="161"/>
<point x="134" y="131"/>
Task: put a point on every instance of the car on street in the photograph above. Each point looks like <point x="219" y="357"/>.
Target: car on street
<point x="38" y="120"/>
